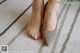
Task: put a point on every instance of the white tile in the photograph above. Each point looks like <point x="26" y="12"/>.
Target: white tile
<point x="9" y="15"/>
<point x="25" y="44"/>
<point x="66" y="27"/>
<point x="1" y="0"/>
<point x="10" y="10"/>
<point x="73" y="45"/>
<point x="21" y="43"/>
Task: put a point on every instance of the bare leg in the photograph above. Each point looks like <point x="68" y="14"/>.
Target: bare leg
<point x="33" y="28"/>
<point x="50" y="18"/>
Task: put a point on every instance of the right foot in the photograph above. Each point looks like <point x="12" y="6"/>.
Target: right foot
<point x="33" y="28"/>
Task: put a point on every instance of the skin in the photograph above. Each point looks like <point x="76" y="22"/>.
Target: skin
<point x="33" y="28"/>
<point x="49" y="22"/>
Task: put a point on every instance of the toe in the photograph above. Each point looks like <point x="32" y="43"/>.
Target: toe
<point x="34" y="37"/>
<point x="37" y="37"/>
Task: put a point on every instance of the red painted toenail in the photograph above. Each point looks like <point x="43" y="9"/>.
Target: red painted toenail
<point x="36" y="38"/>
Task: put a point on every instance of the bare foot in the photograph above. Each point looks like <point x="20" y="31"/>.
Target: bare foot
<point x="33" y="28"/>
<point x="50" y="18"/>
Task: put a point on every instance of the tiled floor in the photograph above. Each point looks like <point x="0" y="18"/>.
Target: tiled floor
<point x="14" y="16"/>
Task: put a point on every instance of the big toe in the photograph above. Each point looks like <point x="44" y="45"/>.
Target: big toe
<point x="34" y="36"/>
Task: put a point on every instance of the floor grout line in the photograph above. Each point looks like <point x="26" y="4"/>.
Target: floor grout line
<point x="21" y="29"/>
<point x="59" y="31"/>
<point x="70" y="31"/>
<point x="9" y="43"/>
<point x="15" y="20"/>
<point x="61" y="12"/>
<point x="41" y="48"/>
<point x="2" y="2"/>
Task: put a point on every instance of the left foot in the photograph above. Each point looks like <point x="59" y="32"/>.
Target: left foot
<point x="50" y="18"/>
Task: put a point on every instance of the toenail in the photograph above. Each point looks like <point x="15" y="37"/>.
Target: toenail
<point x="35" y="37"/>
<point x="38" y="37"/>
